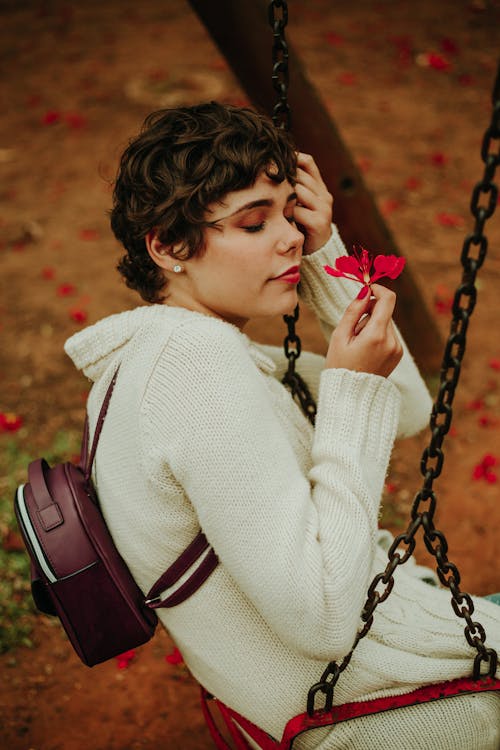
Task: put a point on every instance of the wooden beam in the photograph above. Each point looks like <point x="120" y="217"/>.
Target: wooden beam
<point x="242" y="33"/>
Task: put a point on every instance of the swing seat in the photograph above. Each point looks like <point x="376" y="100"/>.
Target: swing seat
<point x="237" y="726"/>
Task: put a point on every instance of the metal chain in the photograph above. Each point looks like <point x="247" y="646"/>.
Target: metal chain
<point x="281" y="111"/>
<point x="292" y="379"/>
<point x="422" y="515"/>
<point x="278" y="19"/>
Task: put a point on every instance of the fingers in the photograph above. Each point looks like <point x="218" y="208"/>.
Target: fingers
<point x="383" y="306"/>
<point x="309" y="176"/>
<point x="351" y="318"/>
<point x="365" y="339"/>
<point x="377" y="309"/>
<point x="361" y="323"/>
<point x="314" y="204"/>
<point x="309" y="168"/>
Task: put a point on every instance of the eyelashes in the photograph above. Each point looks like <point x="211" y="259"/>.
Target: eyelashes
<point x="253" y="228"/>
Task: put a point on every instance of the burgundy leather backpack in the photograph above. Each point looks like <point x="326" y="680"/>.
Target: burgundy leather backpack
<point x="78" y="574"/>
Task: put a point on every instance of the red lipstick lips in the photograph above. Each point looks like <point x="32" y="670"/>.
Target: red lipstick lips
<point x="290" y="276"/>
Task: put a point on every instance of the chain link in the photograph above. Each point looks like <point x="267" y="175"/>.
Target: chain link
<point x="424" y="505"/>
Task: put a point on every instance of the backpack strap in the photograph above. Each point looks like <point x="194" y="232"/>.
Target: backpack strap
<point x="173" y="574"/>
<point x="196" y="550"/>
<point x="87" y="460"/>
<point x="48" y="510"/>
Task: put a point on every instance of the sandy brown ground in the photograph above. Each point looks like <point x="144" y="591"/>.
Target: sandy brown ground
<point x="77" y="80"/>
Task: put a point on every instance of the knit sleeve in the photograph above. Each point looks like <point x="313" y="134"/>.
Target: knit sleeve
<point x="298" y="544"/>
<point x="328" y="297"/>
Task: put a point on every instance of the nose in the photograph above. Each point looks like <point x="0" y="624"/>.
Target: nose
<point x="290" y="239"/>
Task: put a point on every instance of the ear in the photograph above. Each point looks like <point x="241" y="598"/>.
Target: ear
<point x="158" y="252"/>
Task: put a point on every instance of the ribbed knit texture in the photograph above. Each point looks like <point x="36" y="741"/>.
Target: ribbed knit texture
<point x="201" y="432"/>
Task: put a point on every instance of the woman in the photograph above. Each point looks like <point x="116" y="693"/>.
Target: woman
<point x="200" y="432"/>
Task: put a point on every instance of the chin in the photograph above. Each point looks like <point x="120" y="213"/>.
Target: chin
<point x="285" y="304"/>
<point x="289" y="308"/>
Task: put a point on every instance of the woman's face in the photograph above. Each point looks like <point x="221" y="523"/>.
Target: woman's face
<point x="250" y="264"/>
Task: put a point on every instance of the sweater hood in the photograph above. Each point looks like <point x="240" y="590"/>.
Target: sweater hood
<point x="96" y="347"/>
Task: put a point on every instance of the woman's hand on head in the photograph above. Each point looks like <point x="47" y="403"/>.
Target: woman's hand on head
<point x="313" y="212"/>
<point x="365" y="340"/>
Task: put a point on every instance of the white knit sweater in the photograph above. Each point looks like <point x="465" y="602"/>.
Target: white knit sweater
<point x="200" y="431"/>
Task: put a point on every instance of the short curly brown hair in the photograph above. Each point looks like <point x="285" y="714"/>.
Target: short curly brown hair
<point x="182" y="161"/>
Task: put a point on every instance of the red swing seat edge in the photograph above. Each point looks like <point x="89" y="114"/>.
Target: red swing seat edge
<point x="303" y="722"/>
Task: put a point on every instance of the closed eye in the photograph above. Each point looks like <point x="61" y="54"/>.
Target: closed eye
<point x="255" y="227"/>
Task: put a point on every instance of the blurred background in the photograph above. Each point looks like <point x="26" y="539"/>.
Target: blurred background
<point x="408" y="85"/>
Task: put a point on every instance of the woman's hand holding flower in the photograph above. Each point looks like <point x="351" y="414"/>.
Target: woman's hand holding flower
<point x="365" y="340"/>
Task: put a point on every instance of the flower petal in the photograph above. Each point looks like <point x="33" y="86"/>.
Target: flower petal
<point x="345" y="273"/>
<point x="449" y="220"/>
<point x="350" y="264"/>
<point x="494" y="363"/>
<point x="123" y="660"/>
<point x="174" y="657"/>
<point x="333" y="271"/>
<point x="388" y="265"/>
<point x="10" y="422"/>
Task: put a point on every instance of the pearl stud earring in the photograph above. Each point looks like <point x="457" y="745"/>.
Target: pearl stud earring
<point x="177" y="268"/>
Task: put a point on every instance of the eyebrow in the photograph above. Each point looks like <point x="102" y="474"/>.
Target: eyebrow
<point x="267" y="202"/>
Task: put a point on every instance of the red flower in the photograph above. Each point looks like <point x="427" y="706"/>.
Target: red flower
<point x="358" y="267"/>
<point x="123" y="660"/>
<point x="48" y="273"/>
<point x="390" y="487"/>
<point x="438" y="62"/>
<point x="389" y="205"/>
<point x="347" y="78"/>
<point x="89" y="235"/>
<point x="483" y="470"/>
<point x="484" y="420"/>
<point x="439" y="159"/>
<point x="66" y="289"/>
<point x="51" y="117"/>
<point x="78" y="315"/>
<point x="443" y="299"/>
<point x="364" y="164"/>
<point x="413" y="183"/>
<point x="174" y="657"/>
<point x="10" y="422"/>
<point x="495" y="363"/>
<point x="334" y="39"/>
<point x="475" y="405"/>
<point x="450" y="220"/>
